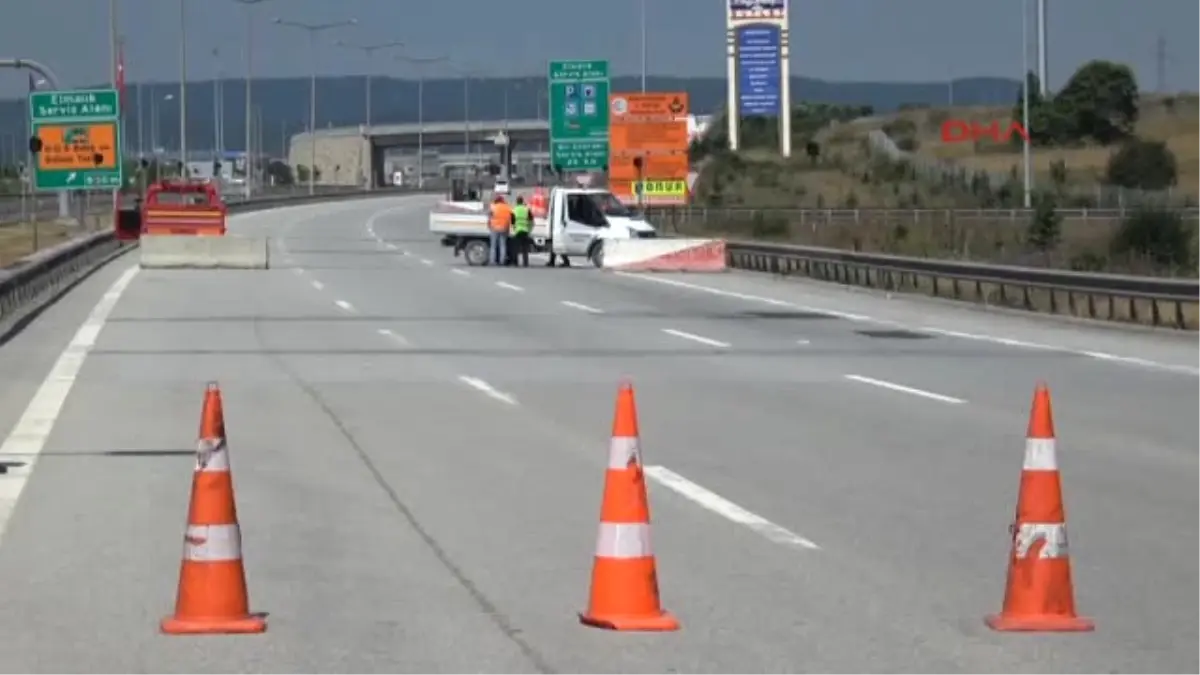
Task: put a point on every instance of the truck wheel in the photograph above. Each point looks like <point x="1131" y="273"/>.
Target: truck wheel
<point x="596" y="254"/>
<point x="476" y="252"/>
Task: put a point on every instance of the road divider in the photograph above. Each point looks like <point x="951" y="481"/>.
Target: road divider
<point x="199" y="252"/>
<point x="665" y="255"/>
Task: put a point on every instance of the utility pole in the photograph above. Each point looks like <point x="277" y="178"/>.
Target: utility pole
<point x="313" y="29"/>
<point x="183" y="149"/>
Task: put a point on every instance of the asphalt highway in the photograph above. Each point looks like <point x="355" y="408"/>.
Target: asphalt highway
<point x="419" y="447"/>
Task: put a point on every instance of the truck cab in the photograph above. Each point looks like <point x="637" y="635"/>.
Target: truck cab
<point x="183" y="207"/>
<point x="581" y="219"/>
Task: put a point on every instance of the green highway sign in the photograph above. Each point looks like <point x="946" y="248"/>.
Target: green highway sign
<point x="579" y="115"/>
<point x="80" y="134"/>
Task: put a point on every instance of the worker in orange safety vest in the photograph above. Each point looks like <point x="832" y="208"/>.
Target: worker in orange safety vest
<point x="500" y="222"/>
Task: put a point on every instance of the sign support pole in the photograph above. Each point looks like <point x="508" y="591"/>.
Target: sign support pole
<point x="732" y="113"/>
<point x="785" y="95"/>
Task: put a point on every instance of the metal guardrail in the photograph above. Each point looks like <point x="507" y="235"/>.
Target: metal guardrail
<point x="1154" y="300"/>
<point x="32" y="283"/>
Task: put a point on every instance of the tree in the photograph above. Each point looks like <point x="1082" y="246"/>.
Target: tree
<point x="1045" y="227"/>
<point x="1102" y="100"/>
<point x="813" y="150"/>
<point x="1142" y="165"/>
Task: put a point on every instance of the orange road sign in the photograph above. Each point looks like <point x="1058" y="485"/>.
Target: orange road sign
<point x="74" y="147"/>
<point x="651" y="127"/>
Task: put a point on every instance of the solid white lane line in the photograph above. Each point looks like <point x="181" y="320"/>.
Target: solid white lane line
<point x="582" y="307"/>
<point x="394" y="336"/>
<point x="487" y="389"/>
<point x="907" y="390"/>
<point x="344" y="305"/>
<point x="695" y="338"/>
<point x="28" y="437"/>
<point x="317" y="285"/>
<point x="727" y="509"/>
<point x="744" y="296"/>
<point x="511" y="287"/>
<point x="460" y="272"/>
<point x="1008" y="342"/>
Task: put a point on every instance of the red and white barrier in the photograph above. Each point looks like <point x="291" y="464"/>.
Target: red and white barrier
<point x="665" y="255"/>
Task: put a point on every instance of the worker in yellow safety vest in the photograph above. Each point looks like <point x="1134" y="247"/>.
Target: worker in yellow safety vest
<point x="500" y="220"/>
<point x="522" y="229"/>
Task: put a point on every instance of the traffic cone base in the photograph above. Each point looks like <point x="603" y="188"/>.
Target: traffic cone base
<point x="246" y="626"/>
<point x="1049" y="623"/>
<point x="662" y="623"/>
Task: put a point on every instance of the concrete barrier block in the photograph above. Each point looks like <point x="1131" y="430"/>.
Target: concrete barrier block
<point x="187" y="252"/>
<point x="665" y="255"/>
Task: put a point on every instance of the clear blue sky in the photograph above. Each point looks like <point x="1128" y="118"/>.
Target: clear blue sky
<point x="876" y="40"/>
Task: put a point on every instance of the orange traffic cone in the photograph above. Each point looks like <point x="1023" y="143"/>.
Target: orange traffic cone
<point x="1039" y="595"/>
<point x="212" y="595"/>
<point x="624" y="593"/>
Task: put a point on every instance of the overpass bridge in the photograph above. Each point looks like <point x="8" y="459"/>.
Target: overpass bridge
<point x="419" y="450"/>
<point x="345" y="155"/>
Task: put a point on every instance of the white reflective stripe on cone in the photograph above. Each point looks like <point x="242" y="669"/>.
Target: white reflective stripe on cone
<point x="623" y="452"/>
<point x="212" y="455"/>
<point x="623" y="540"/>
<point x="212" y="543"/>
<point x="1053" y="537"/>
<point x="1040" y="455"/>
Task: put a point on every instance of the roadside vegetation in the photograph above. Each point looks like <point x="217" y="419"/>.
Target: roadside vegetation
<point x="1098" y="144"/>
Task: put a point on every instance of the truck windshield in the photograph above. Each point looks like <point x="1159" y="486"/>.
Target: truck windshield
<point x="611" y="206"/>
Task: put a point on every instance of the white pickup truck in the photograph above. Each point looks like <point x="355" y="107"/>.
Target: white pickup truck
<point x="578" y="221"/>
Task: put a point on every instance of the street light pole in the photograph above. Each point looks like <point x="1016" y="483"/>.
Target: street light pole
<point x="249" y="170"/>
<point x="643" y="46"/>
<point x="421" y="62"/>
<point x="183" y="88"/>
<point x="313" y="29"/>
<point x="369" y="52"/>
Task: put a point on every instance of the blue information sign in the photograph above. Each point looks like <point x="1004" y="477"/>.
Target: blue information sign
<point x="759" y="69"/>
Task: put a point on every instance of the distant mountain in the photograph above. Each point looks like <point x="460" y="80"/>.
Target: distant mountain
<point x="341" y="102"/>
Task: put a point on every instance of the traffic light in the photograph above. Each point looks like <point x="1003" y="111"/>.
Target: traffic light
<point x="35" y="144"/>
